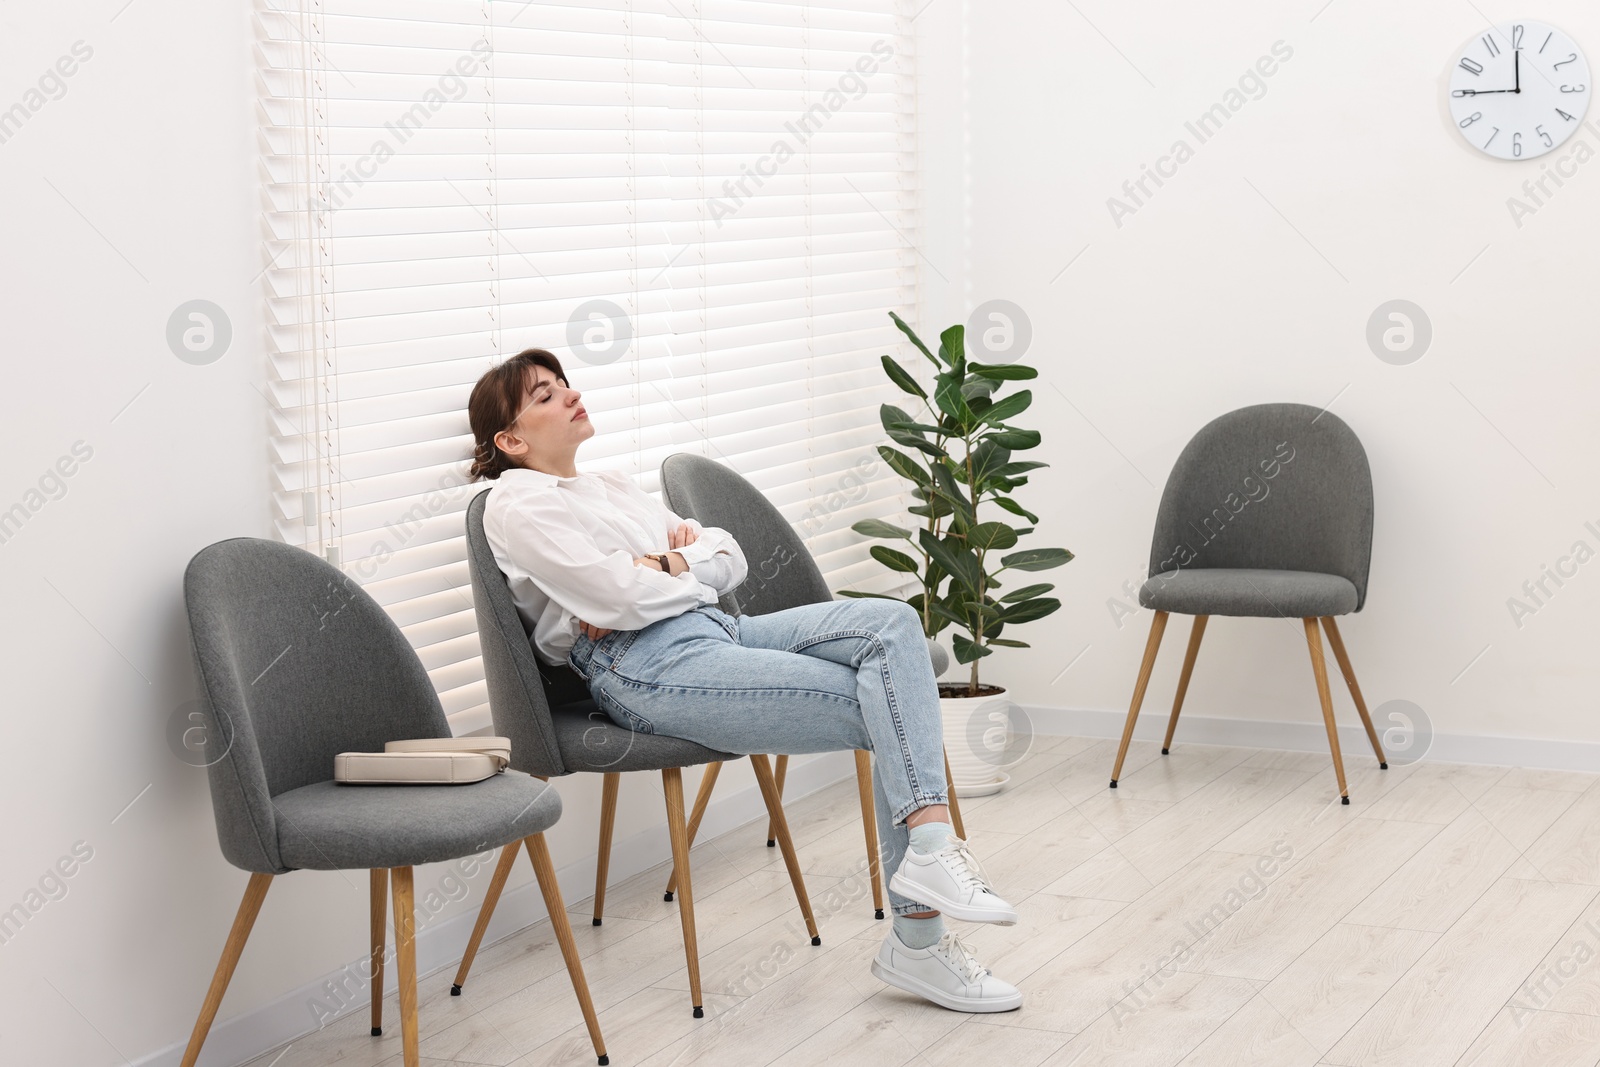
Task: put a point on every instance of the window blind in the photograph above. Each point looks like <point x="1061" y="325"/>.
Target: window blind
<point x="705" y="209"/>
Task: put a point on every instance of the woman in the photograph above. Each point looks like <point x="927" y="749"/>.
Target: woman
<point x="613" y="584"/>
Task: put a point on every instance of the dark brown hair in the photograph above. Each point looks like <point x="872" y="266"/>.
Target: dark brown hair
<point x="496" y="402"/>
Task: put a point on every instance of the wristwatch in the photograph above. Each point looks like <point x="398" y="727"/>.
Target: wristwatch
<point x="661" y="561"/>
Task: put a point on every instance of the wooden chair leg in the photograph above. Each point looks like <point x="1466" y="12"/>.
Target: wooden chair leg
<point x="254" y="893"/>
<point x="869" y="823"/>
<point x="380" y="901"/>
<point x="950" y="795"/>
<point x="608" y="822"/>
<point x="491" y="897"/>
<point x="708" y="779"/>
<point x="1355" y="690"/>
<point x="672" y="785"/>
<point x="545" y="872"/>
<point x="1195" y="634"/>
<point x="405" y="945"/>
<point x="774" y="799"/>
<point x="782" y="773"/>
<point x="1152" y="645"/>
<point x="1319" y="667"/>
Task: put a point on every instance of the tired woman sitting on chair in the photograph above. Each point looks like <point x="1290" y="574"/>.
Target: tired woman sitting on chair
<point x="613" y="584"/>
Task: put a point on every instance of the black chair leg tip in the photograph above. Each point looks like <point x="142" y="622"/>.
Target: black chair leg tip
<point x="1383" y="766"/>
<point x="816" y="939"/>
<point x="455" y="991"/>
<point x="1113" y="783"/>
<point x="1166" y="752"/>
<point x="878" y="914"/>
<point x="605" y="1061"/>
<point x="667" y="897"/>
<point x="699" y="1012"/>
<point x="377" y="1031"/>
<point x="1344" y="800"/>
<point x="771" y="843"/>
<point x="597" y="920"/>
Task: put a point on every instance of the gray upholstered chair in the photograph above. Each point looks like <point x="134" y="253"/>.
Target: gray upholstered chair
<point x="1266" y="514"/>
<point x="782" y="574"/>
<point x="297" y="663"/>
<point x="556" y="729"/>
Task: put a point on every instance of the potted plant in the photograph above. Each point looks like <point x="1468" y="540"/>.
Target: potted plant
<point x="957" y="455"/>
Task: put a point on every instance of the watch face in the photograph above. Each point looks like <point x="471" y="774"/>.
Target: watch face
<point x="1519" y="90"/>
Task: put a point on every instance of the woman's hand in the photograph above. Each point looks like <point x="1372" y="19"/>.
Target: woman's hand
<point x="683" y="535"/>
<point x="594" y="633"/>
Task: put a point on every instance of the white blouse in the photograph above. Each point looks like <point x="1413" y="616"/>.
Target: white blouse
<point x="567" y="546"/>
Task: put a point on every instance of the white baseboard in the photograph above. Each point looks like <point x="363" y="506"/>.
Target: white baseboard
<point x="440" y="945"/>
<point x="1312" y="737"/>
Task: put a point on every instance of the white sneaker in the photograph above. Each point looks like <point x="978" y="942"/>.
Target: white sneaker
<point x="951" y="881"/>
<point x="947" y="974"/>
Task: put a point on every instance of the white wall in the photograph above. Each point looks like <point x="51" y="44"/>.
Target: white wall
<point x="136" y="191"/>
<point x="1206" y="299"/>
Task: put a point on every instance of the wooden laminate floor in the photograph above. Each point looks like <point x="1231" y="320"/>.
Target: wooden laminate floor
<point x="1220" y="908"/>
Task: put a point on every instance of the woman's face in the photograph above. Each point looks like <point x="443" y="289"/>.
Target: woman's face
<point x="551" y="424"/>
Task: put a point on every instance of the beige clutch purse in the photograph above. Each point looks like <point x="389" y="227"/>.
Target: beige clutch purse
<point x="425" y="761"/>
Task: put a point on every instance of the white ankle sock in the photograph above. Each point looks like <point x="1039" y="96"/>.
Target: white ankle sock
<point x="931" y="836"/>
<point x="919" y="933"/>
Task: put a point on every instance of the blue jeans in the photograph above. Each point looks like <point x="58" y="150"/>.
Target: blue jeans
<point x="842" y="674"/>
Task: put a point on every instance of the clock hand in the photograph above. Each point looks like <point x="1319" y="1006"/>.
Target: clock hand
<point x="1481" y="92"/>
<point x="1516" y="67"/>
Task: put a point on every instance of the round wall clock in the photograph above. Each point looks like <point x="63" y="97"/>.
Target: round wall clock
<point x="1519" y="90"/>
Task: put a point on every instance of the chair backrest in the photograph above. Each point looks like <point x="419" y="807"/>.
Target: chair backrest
<point x="782" y="573"/>
<point x="1271" y="486"/>
<point x="296" y="663"/>
<point x="517" y="680"/>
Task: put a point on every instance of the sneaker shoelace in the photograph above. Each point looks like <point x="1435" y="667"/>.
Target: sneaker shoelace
<point x="960" y="956"/>
<point x="969" y="873"/>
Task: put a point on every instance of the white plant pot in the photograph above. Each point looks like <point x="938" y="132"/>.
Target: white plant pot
<point x="974" y="741"/>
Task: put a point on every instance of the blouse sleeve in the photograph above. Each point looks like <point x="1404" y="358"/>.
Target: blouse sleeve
<point x="715" y="556"/>
<point x="607" y="590"/>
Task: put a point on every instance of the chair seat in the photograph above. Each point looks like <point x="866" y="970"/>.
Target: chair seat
<point x="332" y="826"/>
<point x="1251" y="593"/>
<point x="590" y="741"/>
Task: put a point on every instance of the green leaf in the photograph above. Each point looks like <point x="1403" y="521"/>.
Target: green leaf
<point x="958" y="561"/>
<point x="965" y="650"/>
<point x="859" y="594"/>
<point x="953" y="349"/>
<point x="919" y="427"/>
<point x="1016" y="439"/>
<point x="909" y="332"/>
<point x="1027" y="592"/>
<point x="905" y="466"/>
<point x="988" y="535"/>
<point x="1012" y="405"/>
<point x="1037" y="559"/>
<point x="947" y="394"/>
<point x="1029" y="610"/>
<point x="950" y="490"/>
<point x="1011" y="470"/>
<point x="988" y="460"/>
<point x="894" y="560"/>
<point x="916" y="441"/>
<point x="889" y="415"/>
<point x="1000" y="371"/>
<point x="1016" y="508"/>
<point x="879" y="528"/>
<point x="978" y="390"/>
<point x="1008" y="642"/>
<point x="900" y="377"/>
